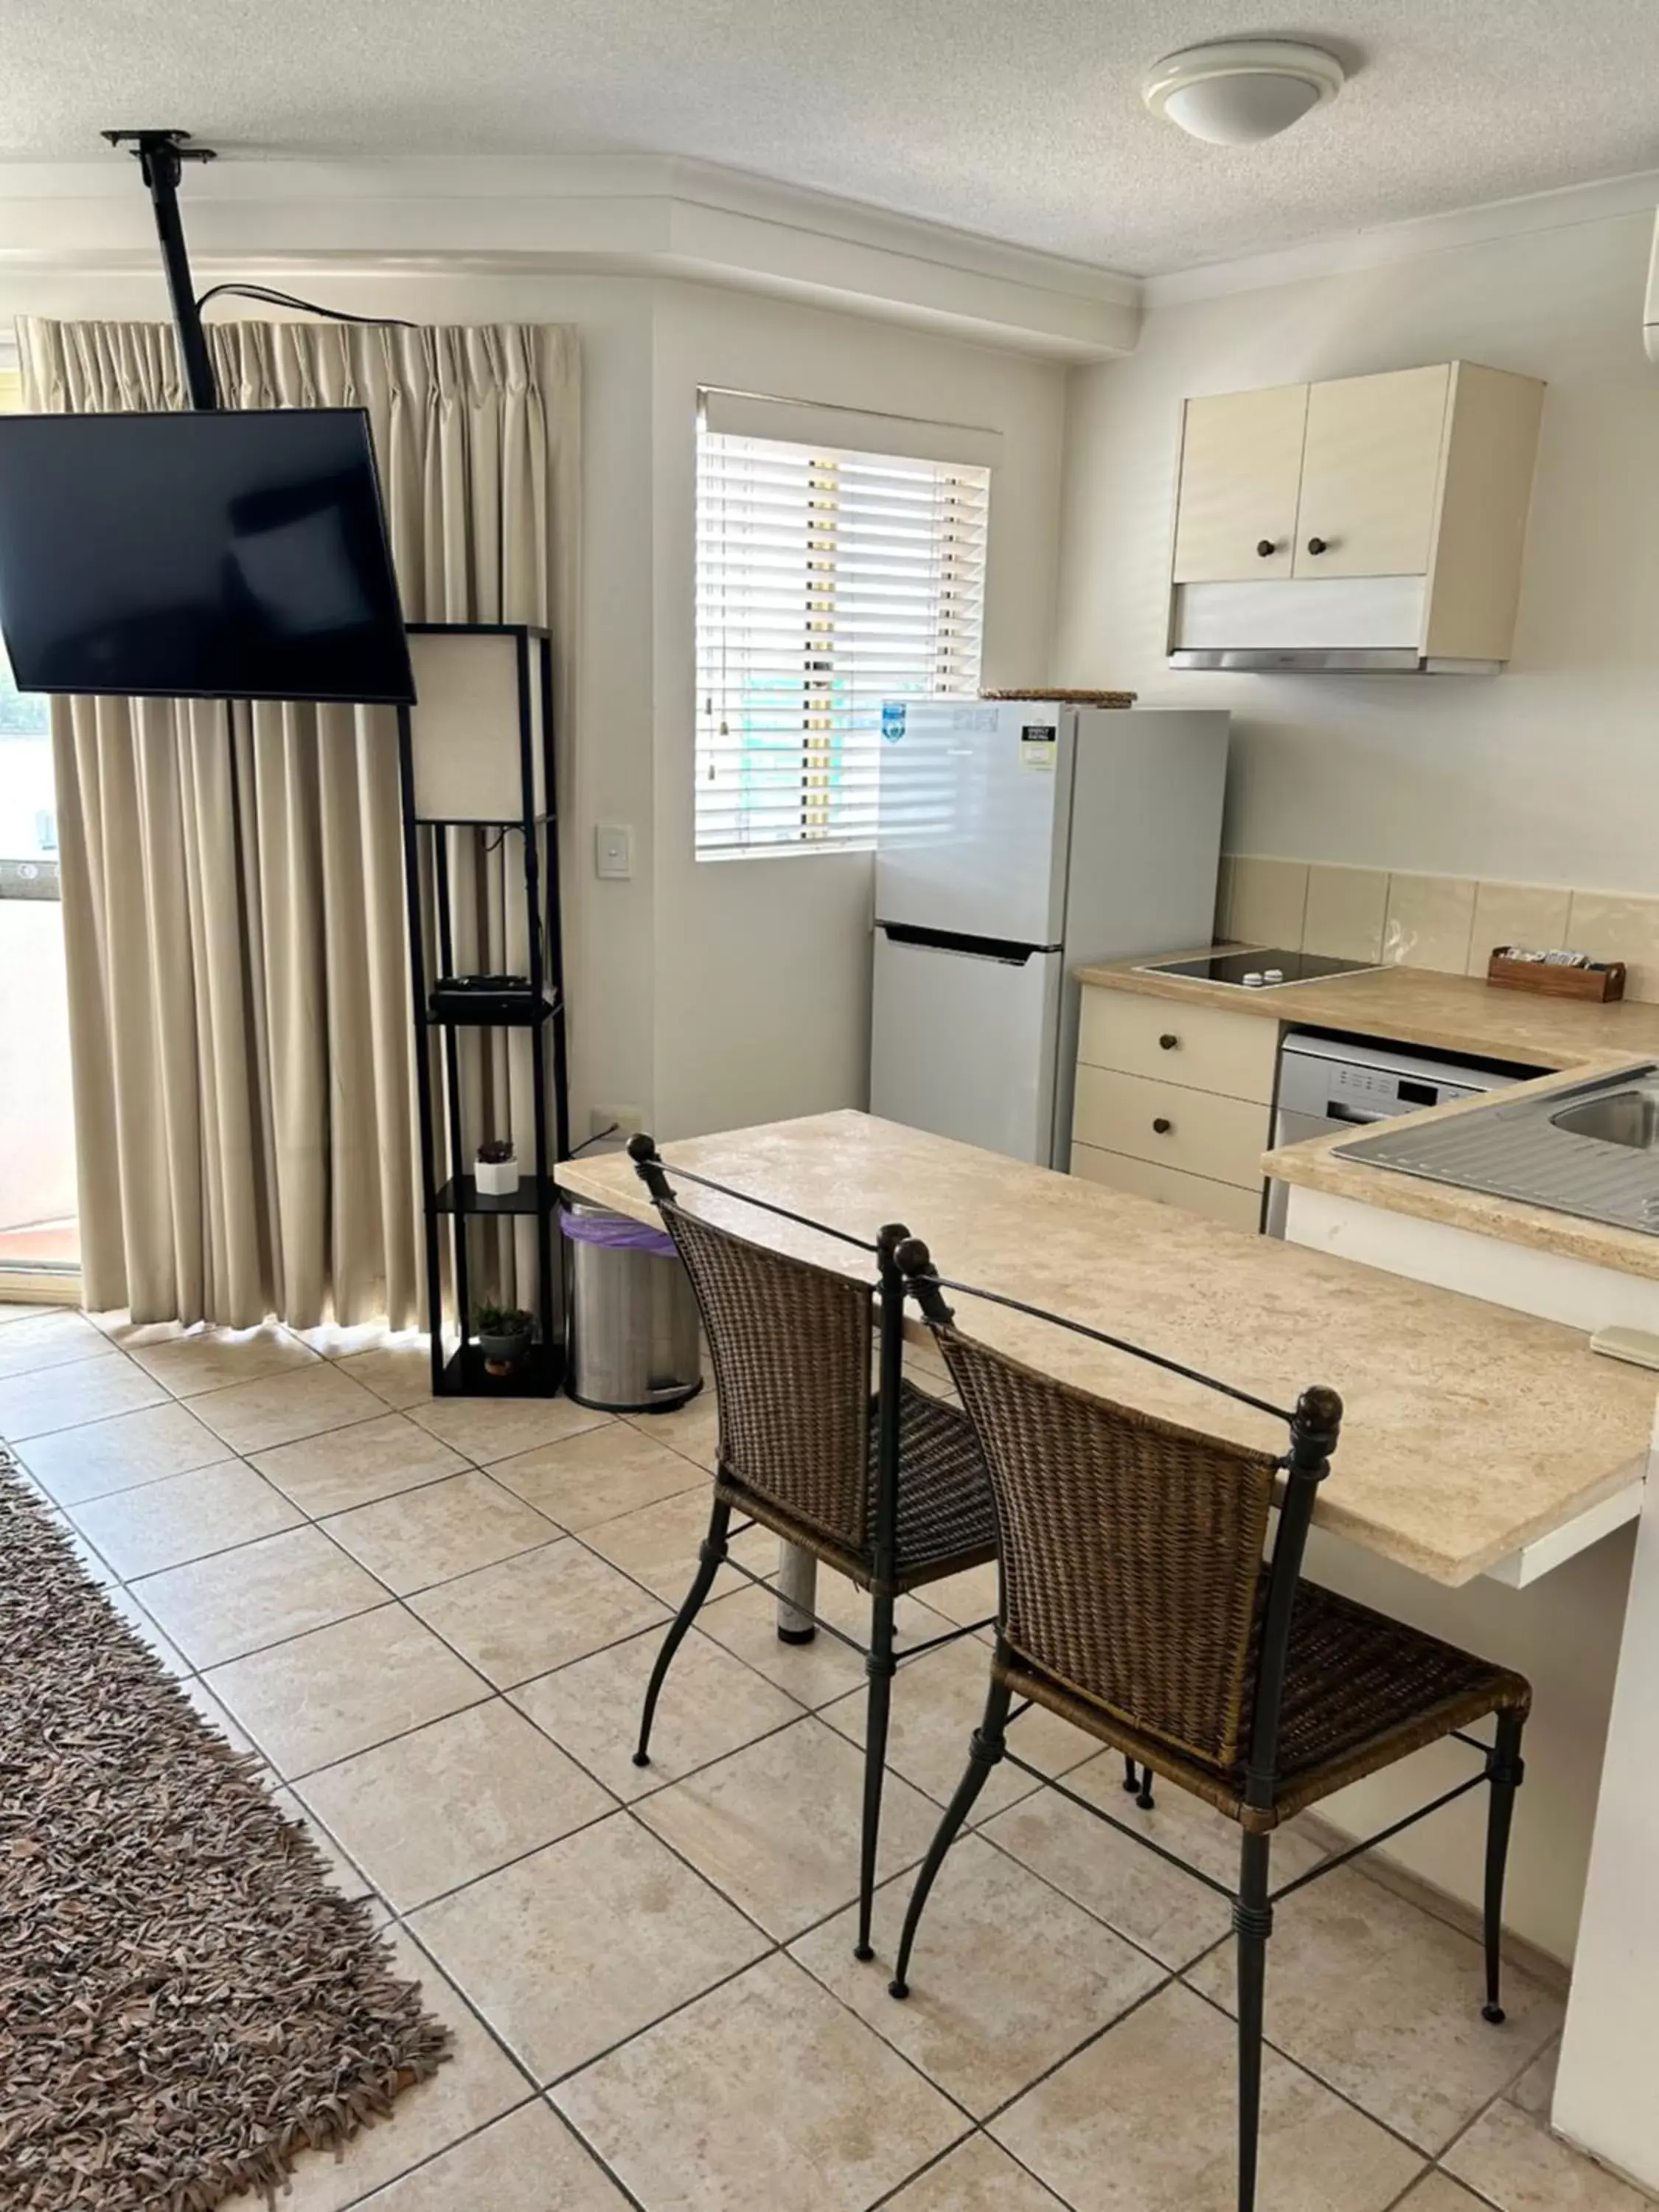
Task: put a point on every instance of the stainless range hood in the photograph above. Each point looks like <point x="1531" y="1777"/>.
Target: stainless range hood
<point x="1364" y="623"/>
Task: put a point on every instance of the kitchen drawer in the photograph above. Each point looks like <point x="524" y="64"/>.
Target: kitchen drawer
<point x="1200" y="1047"/>
<point x="1219" y="1201"/>
<point x="1193" y="1130"/>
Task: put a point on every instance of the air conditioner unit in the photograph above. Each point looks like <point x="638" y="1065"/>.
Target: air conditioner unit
<point x="1651" y="310"/>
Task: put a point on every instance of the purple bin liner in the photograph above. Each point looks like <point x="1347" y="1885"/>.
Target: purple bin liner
<point x="616" y="1232"/>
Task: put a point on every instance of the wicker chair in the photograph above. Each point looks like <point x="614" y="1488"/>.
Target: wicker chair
<point x="1137" y="1602"/>
<point x="891" y="1491"/>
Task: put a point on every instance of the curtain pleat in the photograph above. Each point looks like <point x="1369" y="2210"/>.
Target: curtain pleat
<point x="234" y="910"/>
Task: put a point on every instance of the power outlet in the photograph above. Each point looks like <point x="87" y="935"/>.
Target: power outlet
<point x="623" y="1121"/>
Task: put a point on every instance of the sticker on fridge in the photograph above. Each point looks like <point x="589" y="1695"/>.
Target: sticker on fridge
<point x="1038" y="743"/>
<point x="892" y="721"/>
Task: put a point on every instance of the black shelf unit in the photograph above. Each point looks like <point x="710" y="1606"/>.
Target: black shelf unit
<point x="450" y="1197"/>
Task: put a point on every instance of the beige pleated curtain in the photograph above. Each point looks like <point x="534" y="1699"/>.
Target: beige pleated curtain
<point x="233" y="879"/>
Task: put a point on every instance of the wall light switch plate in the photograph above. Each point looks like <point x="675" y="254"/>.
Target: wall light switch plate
<point x="613" y="851"/>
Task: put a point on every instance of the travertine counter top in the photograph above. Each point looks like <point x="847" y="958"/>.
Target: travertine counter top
<point x="1313" y="1165"/>
<point x="1471" y="1430"/>
<point x="1419" y="1006"/>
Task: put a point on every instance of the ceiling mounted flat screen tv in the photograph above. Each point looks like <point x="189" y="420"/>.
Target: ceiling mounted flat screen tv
<point x="232" y="554"/>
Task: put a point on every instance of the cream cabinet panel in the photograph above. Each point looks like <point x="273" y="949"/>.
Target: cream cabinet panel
<point x="1218" y="1202"/>
<point x="1193" y="1130"/>
<point x="1241" y="460"/>
<point x="1370" y="474"/>
<point x="1201" y="1047"/>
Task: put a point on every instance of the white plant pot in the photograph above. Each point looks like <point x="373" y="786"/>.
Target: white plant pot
<point x="496" y="1178"/>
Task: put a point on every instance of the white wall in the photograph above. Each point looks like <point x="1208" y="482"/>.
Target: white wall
<point x="1548" y="773"/>
<point x="762" y="966"/>
<point x="704" y="995"/>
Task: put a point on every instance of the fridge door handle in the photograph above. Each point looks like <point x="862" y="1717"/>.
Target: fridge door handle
<point x="1008" y="949"/>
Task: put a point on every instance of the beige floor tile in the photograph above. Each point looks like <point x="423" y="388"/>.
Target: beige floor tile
<point x="218" y="1608"/>
<point x="185" y="1517"/>
<point x="343" y="1468"/>
<point x="530" y="1615"/>
<point x="81" y="1390"/>
<point x="475" y="2085"/>
<point x="1514" y="2161"/>
<point x="528" y="2162"/>
<point x="1436" y="2193"/>
<point x="9" y="1313"/>
<point x="148" y="1632"/>
<point x="119" y="1454"/>
<point x="1008" y="1978"/>
<point x="585" y="1944"/>
<point x="692" y="1429"/>
<point x="52" y="1338"/>
<point x="938" y="1701"/>
<point x="1415" y="2050"/>
<point x="440" y="1531"/>
<point x="1536" y="2091"/>
<point x="1167" y="1912"/>
<point x="485" y="1429"/>
<point x="965" y="1598"/>
<point x="765" y="2093"/>
<point x="596" y="1477"/>
<point x="980" y="2177"/>
<point x="218" y="1716"/>
<point x="346" y="1877"/>
<point x="209" y="1358"/>
<point x="399" y="1373"/>
<point x="814" y="1673"/>
<point x="339" y="1340"/>
<point x="775" y="1827"/>
<point x="452" y="1801"/>
<point x="323" y="1697"/>
<point x="711" y="1704"/>
<point x="92" y="1559"/>
<point x="842" y="1603"/>
<point x="658" y="1545"/>
<point x="276" y="1409"/>
<point x="1147" y="2117"/>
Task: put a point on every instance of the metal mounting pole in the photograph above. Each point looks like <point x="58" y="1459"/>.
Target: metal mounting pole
<point x="160" y="156"/>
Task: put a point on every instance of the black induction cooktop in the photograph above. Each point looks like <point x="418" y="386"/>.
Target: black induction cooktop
<point x="1257" y="970"/>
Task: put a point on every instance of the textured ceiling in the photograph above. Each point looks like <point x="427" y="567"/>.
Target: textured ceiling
<point x="1017" y="118"/>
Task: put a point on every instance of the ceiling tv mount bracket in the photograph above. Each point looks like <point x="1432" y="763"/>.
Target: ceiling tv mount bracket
<point x="160" y="156"/>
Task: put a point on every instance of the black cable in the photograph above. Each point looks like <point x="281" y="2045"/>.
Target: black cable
<point x="598" y="1138"/>
<point x="272" y="298"/>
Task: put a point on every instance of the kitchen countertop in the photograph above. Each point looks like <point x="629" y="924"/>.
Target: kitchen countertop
<point x="1470" y="1432"/>
<point x="1419" y="1006"/>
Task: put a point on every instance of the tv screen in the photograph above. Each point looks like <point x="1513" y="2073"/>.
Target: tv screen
<point x="232" y="554"/>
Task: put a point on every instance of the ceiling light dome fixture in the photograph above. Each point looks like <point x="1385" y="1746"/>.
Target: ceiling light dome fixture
<point x="1242" y="90"/>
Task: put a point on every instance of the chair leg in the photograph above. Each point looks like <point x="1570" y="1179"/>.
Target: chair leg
<point x="879" y="1666"/>
<point x="983" y="1753"/>
<point x="1504" y="1770"/>
<point x="709" y="1557"/>
<point x="1253" y="1924"/>
<point x="1131" y="1776"/>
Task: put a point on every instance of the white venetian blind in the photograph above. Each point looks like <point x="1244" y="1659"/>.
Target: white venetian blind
<point x="827" y="581"/>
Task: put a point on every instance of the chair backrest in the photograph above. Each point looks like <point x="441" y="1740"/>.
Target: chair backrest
<point x="1132" y="1551"/>
<point x="791" y="1344"/>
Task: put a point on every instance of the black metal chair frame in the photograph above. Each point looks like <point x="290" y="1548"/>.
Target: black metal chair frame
<point x="1314" y="1429"/>
<point x="881" y="1659"/>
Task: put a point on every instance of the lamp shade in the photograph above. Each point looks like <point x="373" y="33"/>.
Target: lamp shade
<point x="1241" y="92"/>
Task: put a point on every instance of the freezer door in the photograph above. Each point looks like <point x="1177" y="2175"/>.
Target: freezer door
<point x="976" y="807"/>
<point x="963" y="1045"/>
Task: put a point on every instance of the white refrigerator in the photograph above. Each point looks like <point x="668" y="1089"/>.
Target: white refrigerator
<point x="1020" y="839"/>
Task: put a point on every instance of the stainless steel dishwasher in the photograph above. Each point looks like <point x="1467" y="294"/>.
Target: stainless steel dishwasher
<point x="1328" y="1083"/>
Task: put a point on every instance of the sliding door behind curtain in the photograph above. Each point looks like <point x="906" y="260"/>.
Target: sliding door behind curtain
<point x="233" y="879"/>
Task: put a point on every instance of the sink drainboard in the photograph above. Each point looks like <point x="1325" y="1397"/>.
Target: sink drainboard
<point x="1519" y="1148"/>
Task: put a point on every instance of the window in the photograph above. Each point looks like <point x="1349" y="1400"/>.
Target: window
<point x="828" y="580"/>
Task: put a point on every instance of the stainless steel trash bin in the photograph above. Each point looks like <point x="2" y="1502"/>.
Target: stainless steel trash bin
<point x="631" y="1320"/>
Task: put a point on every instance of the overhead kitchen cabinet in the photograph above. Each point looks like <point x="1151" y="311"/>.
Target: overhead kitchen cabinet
<point x="1371" y="522"/>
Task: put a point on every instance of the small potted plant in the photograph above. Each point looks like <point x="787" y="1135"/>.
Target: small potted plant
<point x="503" y="1337"/>
<point x="497" y="1169"/>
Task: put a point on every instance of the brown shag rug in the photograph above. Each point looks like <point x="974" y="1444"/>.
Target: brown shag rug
<point x="185" y="2002"/>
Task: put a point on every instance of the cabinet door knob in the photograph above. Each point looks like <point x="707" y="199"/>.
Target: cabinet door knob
<point x="1266" y="547"/>
<point x="1163" y="1125"/>
<point x="1169" y="1040"/>
<point x="1317" y="545"/>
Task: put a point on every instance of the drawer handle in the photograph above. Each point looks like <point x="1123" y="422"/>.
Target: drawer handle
<point x="1317" y="545"/>
<point x="1167" y="1041"/>
<point x="1266" y="547"/>
<point x="1162" y="1125"/>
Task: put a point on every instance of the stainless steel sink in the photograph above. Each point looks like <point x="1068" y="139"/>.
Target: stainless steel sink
<point x="1627" y="1117"/>
<point x="1591" y="1149"/>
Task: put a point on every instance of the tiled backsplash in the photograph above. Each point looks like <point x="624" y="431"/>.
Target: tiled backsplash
<point x="1448" y="922"/>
